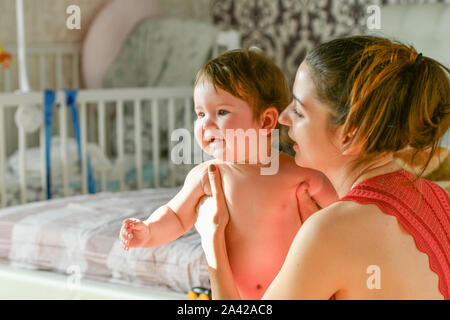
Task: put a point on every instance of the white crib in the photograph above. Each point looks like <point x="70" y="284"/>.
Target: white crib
<point x="98" y="99"/>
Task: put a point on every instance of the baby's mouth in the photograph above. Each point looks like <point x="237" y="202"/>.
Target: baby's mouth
<point x="214" y="141"/>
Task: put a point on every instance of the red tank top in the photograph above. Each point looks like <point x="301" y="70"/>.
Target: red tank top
<point x="422" y="208"/>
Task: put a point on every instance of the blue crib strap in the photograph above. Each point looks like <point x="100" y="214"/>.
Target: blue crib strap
<point x="71" y="97"/>
<point x="49" y="100"/>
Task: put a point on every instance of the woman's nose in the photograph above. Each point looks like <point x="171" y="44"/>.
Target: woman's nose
<point x="284" y="118"/>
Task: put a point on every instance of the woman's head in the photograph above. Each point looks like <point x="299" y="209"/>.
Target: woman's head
<point x="373" y="96"/>
<point x="240" y="89"/>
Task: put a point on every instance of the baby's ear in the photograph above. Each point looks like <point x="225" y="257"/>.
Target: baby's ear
<point x="269" y="118"/>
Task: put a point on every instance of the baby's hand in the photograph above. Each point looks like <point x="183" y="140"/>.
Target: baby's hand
<point x="133" y="234"/>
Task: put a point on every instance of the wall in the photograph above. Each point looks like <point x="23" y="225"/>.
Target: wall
<point x="46" y="19"/>
<point x="287" y="29"/>
<point x="45" y="23"/>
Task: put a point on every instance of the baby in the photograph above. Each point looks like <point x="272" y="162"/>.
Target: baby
<point x="241" y="90"/>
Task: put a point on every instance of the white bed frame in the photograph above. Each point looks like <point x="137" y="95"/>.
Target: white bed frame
<point x="31" y="284"/>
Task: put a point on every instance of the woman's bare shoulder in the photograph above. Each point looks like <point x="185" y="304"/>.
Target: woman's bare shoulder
<point x="342" y="218"/>
<point x="318" y="258"/>
<point x="344" y="227"/>
<point x="329" y="219"/>
<point x="352" y="233"/>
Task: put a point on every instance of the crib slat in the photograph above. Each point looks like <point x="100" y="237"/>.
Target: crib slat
<point x="63" y="147"/>
<point x="91" y="122"/>
<point x="171" y="127"/>
<point x="42" y="71"/>
<point x="42" y="147"/>
<point x="188" y="124"/>
<point x="102" y="139"/>
<point x="7" y="78"/>
<point x="120" y="145"/>
<point x="215" y="51"/>
<point x="2" y="158"/>
<point x="75" y="71"/>
<point x="59" y="70"/>
<point x="188" y="114"/>
<point x="83" y="138"/>
<point x="155" y="141"/>
<point x="138" y="141"/>
<point x="22" y="165"/>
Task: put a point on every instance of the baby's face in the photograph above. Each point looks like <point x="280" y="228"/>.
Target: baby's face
<point x="217" y="111"/>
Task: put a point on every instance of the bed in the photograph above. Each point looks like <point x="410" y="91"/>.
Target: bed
<point x="67" y="247"/>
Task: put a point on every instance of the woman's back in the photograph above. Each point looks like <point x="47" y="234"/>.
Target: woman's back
<point x="400" y="243"/>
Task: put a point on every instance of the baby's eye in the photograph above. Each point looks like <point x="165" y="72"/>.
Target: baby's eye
<point x="200" y="114"/>
<point x="223" y="112"/>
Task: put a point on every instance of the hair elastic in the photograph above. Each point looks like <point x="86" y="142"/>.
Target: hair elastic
<point x="419" y="56"/>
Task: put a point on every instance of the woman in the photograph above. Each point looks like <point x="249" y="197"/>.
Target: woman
<point x="356" y="101"/>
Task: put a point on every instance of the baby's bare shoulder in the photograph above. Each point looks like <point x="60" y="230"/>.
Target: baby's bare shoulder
<point x="200" y="169"/>
<point x="199" y="175"/>
<point x="290" y="168"/>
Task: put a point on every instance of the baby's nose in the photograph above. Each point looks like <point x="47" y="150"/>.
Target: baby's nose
<point x="208" y="123"/>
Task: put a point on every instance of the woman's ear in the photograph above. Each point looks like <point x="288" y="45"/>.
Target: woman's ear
<point x="268" y="119"/>
<point x="346" y="144"/>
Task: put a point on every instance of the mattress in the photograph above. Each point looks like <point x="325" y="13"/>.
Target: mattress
<point x="82" y="233"/>
<point x="34" y="184"/>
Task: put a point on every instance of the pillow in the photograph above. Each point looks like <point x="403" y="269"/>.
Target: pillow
<point x="107" y="35"/>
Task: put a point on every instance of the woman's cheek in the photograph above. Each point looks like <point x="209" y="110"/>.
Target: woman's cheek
<point x="316" y="147"/>
<point x="303" y="140"/>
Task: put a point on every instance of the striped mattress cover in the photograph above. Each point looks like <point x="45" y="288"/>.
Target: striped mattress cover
<point x="82" y="232"/>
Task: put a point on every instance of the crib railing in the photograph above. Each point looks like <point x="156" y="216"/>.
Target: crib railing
<point x="49" y="66"/>
<point x="100" y="100"/>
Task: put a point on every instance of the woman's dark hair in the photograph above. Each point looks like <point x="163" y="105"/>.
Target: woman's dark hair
<point x="384" y="92"/>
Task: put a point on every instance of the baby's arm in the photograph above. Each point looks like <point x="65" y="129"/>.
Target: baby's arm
<point x="172" y="220"/>
<point x="319" y="187"/>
